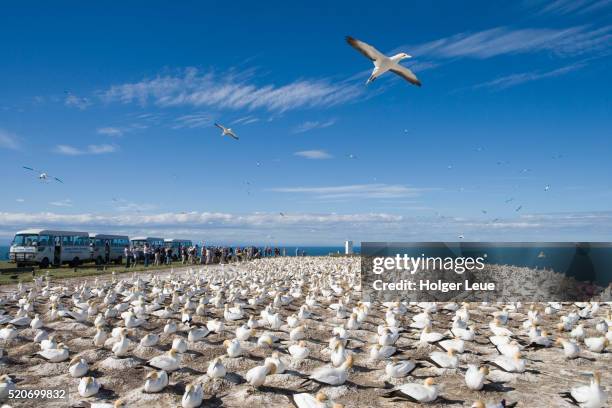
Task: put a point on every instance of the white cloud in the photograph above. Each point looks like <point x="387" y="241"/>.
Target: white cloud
<point x="310" y="125"/>
<point x="355" y="191"/>
<point x="575" y="6"/>
<point x="76" y="102"/>
<point x="91" y="149"/>
<point x="314" y="154"/>
<point x="232" y="91"/>
<point x="523" y="77"/>
<point x="110" y="131"/>
<point x="62" y="203"/>
<point x="504" y="40"/>
<point x="20" y="200"/>
<point x="192" y="121"/>
<point x="9" y="140"/>
<point x="322" y="229"/>
<point x="245" y="120"/>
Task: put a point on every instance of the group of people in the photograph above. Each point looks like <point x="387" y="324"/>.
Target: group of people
<point x="191" y="255"/>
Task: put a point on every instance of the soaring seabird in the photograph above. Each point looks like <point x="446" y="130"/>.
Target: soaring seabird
<point x="226" y="131"/>
<point x="43" y="175"/>
<point x="382" y="63"/>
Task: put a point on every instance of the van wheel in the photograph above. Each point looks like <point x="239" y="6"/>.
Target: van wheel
<point x="44" y="264"/>
<point x="75" y="262"/>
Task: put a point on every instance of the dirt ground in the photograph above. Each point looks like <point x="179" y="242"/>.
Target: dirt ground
<point x="548" y="373"/>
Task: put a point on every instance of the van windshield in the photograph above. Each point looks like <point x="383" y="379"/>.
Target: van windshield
<point x="26" y="240"/>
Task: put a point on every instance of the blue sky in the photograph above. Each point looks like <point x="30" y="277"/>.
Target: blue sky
<point x="119" y="102"/>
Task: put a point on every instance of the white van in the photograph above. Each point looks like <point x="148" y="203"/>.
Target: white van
<point x="106" y="248"/>
<point x="49" y="247"/>
<point x="175" y="244"/>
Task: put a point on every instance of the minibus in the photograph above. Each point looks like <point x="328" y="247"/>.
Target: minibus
<point x="49" y="247"/>
<point x="106" y="248"/>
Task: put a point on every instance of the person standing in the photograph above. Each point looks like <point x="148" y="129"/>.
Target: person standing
<point x="128" y="256"/>
<point x="146" y="254"/>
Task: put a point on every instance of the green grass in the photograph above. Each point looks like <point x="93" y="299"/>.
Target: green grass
<point x="65" y="271"/>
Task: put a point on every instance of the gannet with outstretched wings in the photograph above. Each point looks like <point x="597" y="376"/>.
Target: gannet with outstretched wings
<point x="226" y="131"/>
<point x="382" y="63"/>
<point x="43" y="175"/>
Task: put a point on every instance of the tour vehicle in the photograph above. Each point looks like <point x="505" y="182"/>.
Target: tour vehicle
<point x="175" y="244"/>
<point x="49" y="247"/>
<point x="106" y="248"/>
<point x="138" y="242"/>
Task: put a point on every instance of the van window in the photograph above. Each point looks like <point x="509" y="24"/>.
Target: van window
<point x="67" y="241"/>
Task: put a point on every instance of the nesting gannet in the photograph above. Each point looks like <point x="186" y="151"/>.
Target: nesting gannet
<point x="475" y="377"/>
<point x="179" y="344"/>
<point x="226" y="131"/>
<point x="197" y="334"/>
<point x="170" y="327"/>
<point x="297" y="333"/>
<point x="398" y="369"/>
<point x="37" y="322"/>
<point x="256" y="376"/>
<point x="55" y="355"/>
<point x="418" y="393"/>
<point x="156" y="381"/>
<point x="333" y="375"/>
<point x="570" y="348"/>
<point x="427" y="336"/>
<point x="100" y="337"/>
<point x="78" y="367"/>
<point x="244" y="332"/>
<point x="596" y="344"/>
<point x="149" y="340"/>
<point x="512" y="364"/>
<point x="6" y="385"/>
<point x="501" y="404"/>
<point x="216" y="369"/>
<point x="378" y="352"/>
<point x="232" y="347"/>
<point x="215" y="325"/>
<point x="88" y="386"/>
<point x="167" y="362"/>
<point x="444" y="360"/>
<point x="382" y="63"/>
<point x="299" y="351"/>
<point x="8" y="333"/>
<point x="193" y="396"/>
<point x="588" y="396"/>
<point x="277" y="361"/>
<point x="120" y="348"/>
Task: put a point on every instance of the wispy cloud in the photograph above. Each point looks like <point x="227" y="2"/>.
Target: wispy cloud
<point x="498" y="41"/>
<point x="356" y="191"/>
<point x="523" y="77"/>
<point x="91" y="149"/>
<point x="110" y="131"/>
<point x="310" y="125"/>
<point x="192" y="121"/>
<point x="62" y="203"/>
<point x="20" y="200"/>
<point x="77" y="102"/>
<point x="574" y="6"/>
<point x="314" y="154"/>
<point x="245" y="120"/>
<point x="9" y="140"/>
<point x="232" y="91"/>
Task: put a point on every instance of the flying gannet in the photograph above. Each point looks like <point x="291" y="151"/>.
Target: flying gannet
<point x="226" y="131"/>
<point x="382" y="63"/>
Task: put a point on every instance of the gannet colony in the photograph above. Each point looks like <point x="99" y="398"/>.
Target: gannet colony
<point x="282" y="332"/>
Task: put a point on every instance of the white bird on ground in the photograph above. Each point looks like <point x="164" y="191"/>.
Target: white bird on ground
<point x="426" y="392"/>
<point x="244" y="332"/>
<point x="299" y="351"/>
<point x="6" y="385"/>
<point x="216" y="369"/>
<point x="88" y="386"/>
<point x="167" y="362"/>
<point x="8" y="333"/>
<point x="276" y="360"/>
<point x="179" y="344"/>
<point x="514" y="364"/>
<point x="226" y="131"/>
<point x="475" y="377"/>
<point x="596" y="344"/>
<point x="232" y="347"/>
<point x="193" y="396"/>
<point x="382" y="63"/>
<point x="256" y="376"/>
<point x="332" y="375"/>
<point x="305" y="400"/>
<point x="156" y="381"/>
<point x="197" y="334"/>
<point x="444" y="360"/>
<point x="149" y="340"/>
<point x="570" y="349"/>
<point x="399" y="369"/>
<point x="56" y="355"/>
<point x="78" y="367"/>
<point x="588" y="396"/>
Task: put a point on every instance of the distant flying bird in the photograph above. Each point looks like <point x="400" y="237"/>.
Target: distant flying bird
<point x="382" y="63"/>
<point x="43" y="176"/>
<point x="226" y="131"/>
<point x="518" y="208"/>
<point x="461" y="236"/>
<point x="282" y="214"/>
<point x="484" y="211"/>
<point x="509" y="200"/>
<point x="351" y="156"/>
<point x="547" y="187"/>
